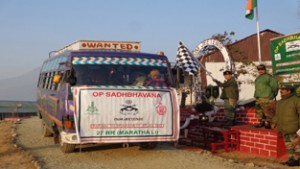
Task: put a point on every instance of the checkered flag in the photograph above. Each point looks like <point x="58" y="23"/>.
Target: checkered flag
<point x="186" y="61"/>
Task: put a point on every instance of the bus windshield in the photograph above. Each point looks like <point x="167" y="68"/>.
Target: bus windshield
<point x="135" y="75"/>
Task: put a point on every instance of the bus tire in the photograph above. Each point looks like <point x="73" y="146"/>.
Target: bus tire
<point x="148" y="145"/>
<point x="66" y="147"/>
<point x="45" y="131"/>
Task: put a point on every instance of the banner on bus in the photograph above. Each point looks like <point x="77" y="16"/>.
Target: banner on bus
<point x="114" y="115"/>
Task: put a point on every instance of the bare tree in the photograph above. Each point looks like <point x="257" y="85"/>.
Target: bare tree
<point x="246" y="65"/>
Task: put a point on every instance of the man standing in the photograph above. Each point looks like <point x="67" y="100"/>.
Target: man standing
<point x="287" y="121"/>
<point x="230" y="95"/>
<point x="266" y="89"/>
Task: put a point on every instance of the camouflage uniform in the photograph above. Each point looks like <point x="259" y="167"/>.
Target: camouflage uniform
<point x="292" y="145"/>
<point x="262" y="112"/>
<point x="230" y="95"/>
<point x="229" y="108"/>
<point x="287" y="120"/>
<point x="266" y="89"/>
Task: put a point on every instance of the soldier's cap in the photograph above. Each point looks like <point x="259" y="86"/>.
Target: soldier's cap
<point x="227" y="72"/>
<point x="261" y="67"/>
<point x="287" y="87"/>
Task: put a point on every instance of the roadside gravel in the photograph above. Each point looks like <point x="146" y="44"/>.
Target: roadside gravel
<point x="165" y="156"/>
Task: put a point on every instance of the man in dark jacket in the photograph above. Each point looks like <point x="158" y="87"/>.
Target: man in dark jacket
<point x="287" y="122"/>
<point x="230" y="95"/>
<point x="266" y="89"/>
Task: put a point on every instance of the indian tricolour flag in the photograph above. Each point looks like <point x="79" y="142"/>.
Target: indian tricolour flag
<point x="249" y="9"/>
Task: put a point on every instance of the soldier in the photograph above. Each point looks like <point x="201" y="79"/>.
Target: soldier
<point x="266" y="89"/>
<point x="230" y="95"/>
<point x="287" y="121"/>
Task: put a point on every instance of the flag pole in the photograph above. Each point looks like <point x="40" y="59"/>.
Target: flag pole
<point x="258" y="33"/>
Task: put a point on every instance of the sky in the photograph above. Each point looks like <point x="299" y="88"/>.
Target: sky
<point x="31" y="29"/>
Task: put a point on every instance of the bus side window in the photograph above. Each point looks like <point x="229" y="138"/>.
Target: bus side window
<point x="46" y="80"/>
<point x="70" y="77"/>
<point x="50" y="83"/>
<point x="61" y="84"/>
<point x="54" y="85"/>
<point x="40" y="84"/>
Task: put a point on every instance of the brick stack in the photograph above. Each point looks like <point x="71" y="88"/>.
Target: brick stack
<point x="261" y="142"/>
<point x="243" y="115"/>
<point x="256" y="141"/>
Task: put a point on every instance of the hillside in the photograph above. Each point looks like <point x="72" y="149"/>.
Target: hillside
<point x="21" y="88"/>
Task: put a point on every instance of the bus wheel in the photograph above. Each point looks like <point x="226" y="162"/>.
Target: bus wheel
<point x="66" y="147"/>
<point x="148" y="145"/>
<point x="45" y="131"/>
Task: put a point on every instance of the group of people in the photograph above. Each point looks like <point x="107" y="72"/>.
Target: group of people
<point x="285" y="117"/>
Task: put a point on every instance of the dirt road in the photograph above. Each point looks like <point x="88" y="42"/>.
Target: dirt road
<point x="10" y="156"/>
<point x="164" y="156"/>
